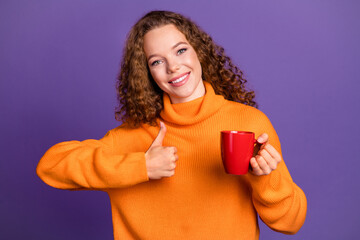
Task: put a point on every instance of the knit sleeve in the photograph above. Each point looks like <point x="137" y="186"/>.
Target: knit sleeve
<point x="91" y="164"/>
<point x="280" y="203"/>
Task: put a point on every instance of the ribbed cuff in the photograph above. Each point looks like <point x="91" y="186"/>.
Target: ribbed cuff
<point x="270" y="188"/>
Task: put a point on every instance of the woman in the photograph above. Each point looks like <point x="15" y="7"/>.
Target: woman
<point x="162" y="167"/>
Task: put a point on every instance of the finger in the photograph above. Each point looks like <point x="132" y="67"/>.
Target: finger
<point x="170" y="151"/>
<point x="160" y="137"/>
<point x="172" y="166"/>
<point x="172" y="159"/>
<point x="263" y="138"/>
<point x="273" y="152"/>
<point x="268" y="158"/>
<point x="255" y="167"/>
<point x="168" y="173"/>
<point x="263" y="164"/>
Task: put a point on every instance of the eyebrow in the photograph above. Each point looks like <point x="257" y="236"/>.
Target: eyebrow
<point x="179" y="43"/>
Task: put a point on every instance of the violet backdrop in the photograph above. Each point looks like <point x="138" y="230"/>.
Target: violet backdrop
<point x="58" y="65"/>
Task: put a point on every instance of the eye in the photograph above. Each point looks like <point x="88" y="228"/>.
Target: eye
<point x="154" y="63"/>
<point x="181" y="51"/>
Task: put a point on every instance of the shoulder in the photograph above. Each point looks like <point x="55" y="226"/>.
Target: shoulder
<point x="126" y="131"/>
<point x="126" y="138"/>
<point x="249" y="118"/>
<point x="244" y="111"/>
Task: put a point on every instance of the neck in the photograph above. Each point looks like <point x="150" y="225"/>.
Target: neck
<point x="198" y="92"/>
<point x="191" y="112"/>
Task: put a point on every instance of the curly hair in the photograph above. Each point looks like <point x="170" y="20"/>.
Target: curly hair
<point x="140" y="99"/>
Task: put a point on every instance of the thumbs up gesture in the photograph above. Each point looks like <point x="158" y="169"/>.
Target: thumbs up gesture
<point x="160" y="160"/>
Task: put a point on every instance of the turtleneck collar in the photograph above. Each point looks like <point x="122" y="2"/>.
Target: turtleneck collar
<point x="193" y="111"/>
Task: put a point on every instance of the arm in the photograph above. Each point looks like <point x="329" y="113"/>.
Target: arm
<point x="91" y="164"/>
<point x="280" y="203"/>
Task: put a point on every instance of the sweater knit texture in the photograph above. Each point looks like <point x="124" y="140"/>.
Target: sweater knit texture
<point x="200" y="201"/>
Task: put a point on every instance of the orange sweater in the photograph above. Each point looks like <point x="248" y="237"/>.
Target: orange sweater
<point x="200" y="201"/>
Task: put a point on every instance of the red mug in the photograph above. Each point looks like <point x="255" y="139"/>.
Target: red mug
<point x="237" y="147"/>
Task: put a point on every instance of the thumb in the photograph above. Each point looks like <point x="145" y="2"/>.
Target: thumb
<point x="263" y="138"/>
<point x="160" y="137"/>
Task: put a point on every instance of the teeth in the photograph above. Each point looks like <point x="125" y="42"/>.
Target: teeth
<point x="180" y="79"/>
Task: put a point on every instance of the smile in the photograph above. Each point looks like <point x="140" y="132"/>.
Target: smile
<point x="180" y="80"/>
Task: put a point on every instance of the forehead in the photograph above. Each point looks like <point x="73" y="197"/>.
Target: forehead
<point x="162" y="38"/>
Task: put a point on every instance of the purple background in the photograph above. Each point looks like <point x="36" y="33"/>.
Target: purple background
<point x="59" y="61"/>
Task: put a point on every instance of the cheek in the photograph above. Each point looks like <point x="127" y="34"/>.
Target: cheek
<point x="153" y="74"/>
<point x="195" y="63"/>
<point x="156" y="75"/>
<point x="193" y="58"/>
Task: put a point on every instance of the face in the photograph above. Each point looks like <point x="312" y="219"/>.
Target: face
<point x="173" y="64"/>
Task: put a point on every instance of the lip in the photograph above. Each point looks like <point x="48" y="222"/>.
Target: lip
<point x="173" y="79"/>
<point x="182" y="82"/>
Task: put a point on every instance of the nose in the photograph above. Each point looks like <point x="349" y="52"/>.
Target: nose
<point x="172" y="66"/>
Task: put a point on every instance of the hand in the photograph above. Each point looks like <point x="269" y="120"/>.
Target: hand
<point x="160" y="160"/>
<point x="266" y="159"/>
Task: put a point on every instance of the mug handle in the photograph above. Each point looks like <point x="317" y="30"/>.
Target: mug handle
<point x="256" y="150"/>
<point x="256" y="147"/>
<point x="256" y="142"/>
